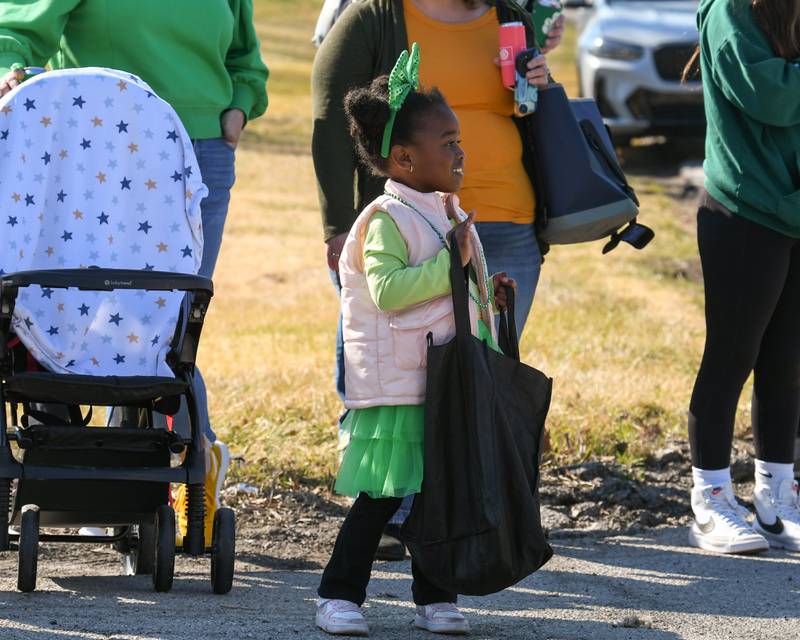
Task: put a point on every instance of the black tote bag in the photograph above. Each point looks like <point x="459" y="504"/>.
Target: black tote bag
<point x="475" y="527"/>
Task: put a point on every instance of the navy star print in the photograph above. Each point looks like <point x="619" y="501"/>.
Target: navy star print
<point x="78" y="102"/>
<point x="115" y="319"/>
<point x="125" y="184"/>
<point x="103" y="217"/>
<point x="122" y="126"/>
<point x="30" y="104"/>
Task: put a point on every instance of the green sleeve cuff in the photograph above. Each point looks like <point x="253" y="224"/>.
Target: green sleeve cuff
<point x="243" y="99"/>
<point x="8" y="59"/>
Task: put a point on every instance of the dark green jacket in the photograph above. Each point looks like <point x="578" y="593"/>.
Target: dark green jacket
<point x="363" y="44"/>
<point x="752" y="100"/>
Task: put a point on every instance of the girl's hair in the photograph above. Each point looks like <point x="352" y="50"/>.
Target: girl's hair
<point x="367" y="111"/>
<point x="780" y="21"/>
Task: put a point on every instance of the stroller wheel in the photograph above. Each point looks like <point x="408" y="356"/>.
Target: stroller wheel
<point x="142" y="556"/>
<point x="164" y="566"/>
<point x="223" y="550"/>
<point x="28" y="548"/>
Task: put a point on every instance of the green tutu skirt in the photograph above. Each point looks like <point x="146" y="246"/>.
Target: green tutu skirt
<point x="385" y="455"/>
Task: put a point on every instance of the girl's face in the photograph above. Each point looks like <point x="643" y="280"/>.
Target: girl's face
<point x="434" y="161"/>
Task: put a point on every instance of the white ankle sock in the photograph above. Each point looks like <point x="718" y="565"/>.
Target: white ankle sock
<point x="773" y="473"/>
<point x="705" y="478"/>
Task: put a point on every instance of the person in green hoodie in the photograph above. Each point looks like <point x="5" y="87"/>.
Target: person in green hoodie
<point x="201" y="56"/>
<point x="748" y="230"/>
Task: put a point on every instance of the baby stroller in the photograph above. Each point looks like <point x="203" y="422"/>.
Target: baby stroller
<point x="100" y="306"/>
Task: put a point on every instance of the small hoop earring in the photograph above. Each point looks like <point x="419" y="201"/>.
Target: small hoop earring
<point x="411" y="170"/>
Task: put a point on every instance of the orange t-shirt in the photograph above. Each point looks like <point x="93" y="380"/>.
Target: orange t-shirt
<point x="459" y="60"/>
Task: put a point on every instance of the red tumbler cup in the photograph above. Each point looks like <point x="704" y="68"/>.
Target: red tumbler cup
<point x="512" y="42"/>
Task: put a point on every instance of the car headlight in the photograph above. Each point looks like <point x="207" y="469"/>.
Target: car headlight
<point x="615" y="49"/>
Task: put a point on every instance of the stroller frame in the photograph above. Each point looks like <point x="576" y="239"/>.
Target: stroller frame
<point x="137" y="479"/>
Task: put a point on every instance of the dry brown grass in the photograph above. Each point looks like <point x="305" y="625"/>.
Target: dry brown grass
<point x="621" y="336"/>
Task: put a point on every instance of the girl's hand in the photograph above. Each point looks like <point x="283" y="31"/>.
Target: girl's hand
<point x="232" y="122"/>
<point x="555" y="35"/>
<point x="538" y="71"/>
<point x="11" y="80"/>
<point x="461" y="233"/>
<point x="500" y="281"/>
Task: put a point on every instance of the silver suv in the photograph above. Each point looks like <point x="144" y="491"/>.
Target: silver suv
<point x="631" y="54"/>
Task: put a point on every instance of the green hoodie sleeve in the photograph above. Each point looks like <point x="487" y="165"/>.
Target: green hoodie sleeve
<point x="755" y="80"/>
<point x="243" y="61"/>
<point x="393" y="285"/>
<point x="30" y="31"/>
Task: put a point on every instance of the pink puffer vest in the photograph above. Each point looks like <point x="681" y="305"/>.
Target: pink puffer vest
<point x="385" y="352"/>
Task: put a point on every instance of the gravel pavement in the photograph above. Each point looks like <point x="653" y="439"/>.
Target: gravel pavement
<point x="649" y="586"/>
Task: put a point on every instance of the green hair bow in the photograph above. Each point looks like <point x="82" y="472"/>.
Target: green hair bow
<point x="403" y="79"/>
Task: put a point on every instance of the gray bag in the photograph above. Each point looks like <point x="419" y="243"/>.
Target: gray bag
<point x="585" y="192"/>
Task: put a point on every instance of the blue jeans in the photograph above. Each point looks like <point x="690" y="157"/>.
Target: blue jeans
<point x="215" y="158"/>
<point x="513" y="248"/>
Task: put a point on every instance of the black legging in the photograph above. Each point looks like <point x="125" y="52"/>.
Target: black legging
<point x="348" y="570"/>
<point x="752" y="292"/>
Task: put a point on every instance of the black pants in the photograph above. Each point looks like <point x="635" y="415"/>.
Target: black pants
<point x="348" y="570"/>
<point x="752" y="292"/>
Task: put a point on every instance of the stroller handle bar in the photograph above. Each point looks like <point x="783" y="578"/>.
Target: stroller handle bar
<point x="96" y="279"/>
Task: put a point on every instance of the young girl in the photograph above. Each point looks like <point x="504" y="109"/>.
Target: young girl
<point x="394" y="269"/>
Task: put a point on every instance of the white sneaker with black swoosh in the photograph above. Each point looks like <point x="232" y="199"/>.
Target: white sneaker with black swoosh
<point x="721" y="524"/>
<point x="778" y="513"/>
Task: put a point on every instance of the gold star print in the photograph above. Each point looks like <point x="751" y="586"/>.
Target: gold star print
<point x="16" y="197"/>
<point x="64" y="153"/>
<point x="60" y="306"/>
<point x="59" y="355"/>
<point x="95" y="362"/>
<point x="133" y="337"/>
<point x="46" y="121"/>
<point x="110" y="239"/>
<point x="122" y="85"/>
<point x="151" y="184"/>
<point x="133" y="147"/>
<point x="97" y="122"/>
<point x="6" y="110"/>
<point x="189" y="194"/>
<point x="78" y="214"/>
<point x="41" y="217"/>
<point x="161" y="247"/>
<point x="161" y="303"/>
<point x="101" y="177"/>
<point x="50" y="251"/>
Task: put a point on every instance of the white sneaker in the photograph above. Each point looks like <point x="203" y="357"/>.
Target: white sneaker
<point x="441" y="617"/>
<point x="779" y="506"/>
<point x="720" y="523"/>
<point x="341" y="618"/>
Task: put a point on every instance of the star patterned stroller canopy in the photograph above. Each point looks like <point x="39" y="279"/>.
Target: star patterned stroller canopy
<point x="96" y="171"/>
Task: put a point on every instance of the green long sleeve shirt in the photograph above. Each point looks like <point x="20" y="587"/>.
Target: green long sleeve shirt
<point x="202" y="57"/>
<point x="752" y="100"/>
<point x="392" y="284"/>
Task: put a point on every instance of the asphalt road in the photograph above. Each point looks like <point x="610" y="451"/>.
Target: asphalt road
<point x="649" y="586"/>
